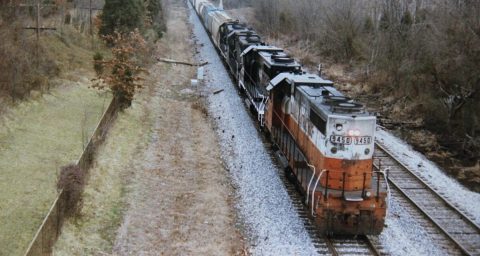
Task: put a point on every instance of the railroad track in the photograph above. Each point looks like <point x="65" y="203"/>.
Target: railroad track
<point x="337" y="245"/>
<point x="446" y="219"/>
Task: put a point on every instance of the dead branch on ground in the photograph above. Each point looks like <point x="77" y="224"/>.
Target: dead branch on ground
<point x="182" y="62"/>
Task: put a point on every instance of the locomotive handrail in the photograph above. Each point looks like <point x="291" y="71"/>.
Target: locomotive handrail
<point x="384" y="173"/>
<point x="249" y="78"/>
<point x="325" y="195"/>
<point x="308" y="187"/>
<point x="309" y="165"/>
<point x="389" y="195"/>
<point x="261" y="112"/>
<point x="363" y="183"/>
<point x="315" y="188"/>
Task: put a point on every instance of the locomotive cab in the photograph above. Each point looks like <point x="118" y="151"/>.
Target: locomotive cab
<point x="260" y="64"/>
<point x="227" y="29"/>
<point x="234" y="39"/>
<point x="241" y="40"/>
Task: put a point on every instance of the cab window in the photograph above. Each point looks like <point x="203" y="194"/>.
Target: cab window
<point x="318" y="121"/>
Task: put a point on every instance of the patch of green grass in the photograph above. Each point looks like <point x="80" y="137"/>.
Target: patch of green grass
<point x="37" y="137"/>
<point x="95" y="230"/>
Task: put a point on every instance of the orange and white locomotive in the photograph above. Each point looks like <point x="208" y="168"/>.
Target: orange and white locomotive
<point x="328" y="142"/>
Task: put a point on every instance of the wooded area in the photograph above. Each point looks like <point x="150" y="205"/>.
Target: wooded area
<point x="425" y="53"/>
<point x="20" y="70"/>
<point x="30" y="30"/>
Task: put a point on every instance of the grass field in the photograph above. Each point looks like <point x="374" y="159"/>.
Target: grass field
<point x="37" y="137"/>
<point x="94" y="232"/>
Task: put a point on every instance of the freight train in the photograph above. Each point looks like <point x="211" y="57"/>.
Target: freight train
<point x="325" y="139"/>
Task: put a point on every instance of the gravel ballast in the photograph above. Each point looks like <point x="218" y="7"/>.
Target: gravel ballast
<point x="271" y="223"/>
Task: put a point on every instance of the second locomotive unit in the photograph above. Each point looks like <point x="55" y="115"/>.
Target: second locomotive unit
<point x="326" y="140"/>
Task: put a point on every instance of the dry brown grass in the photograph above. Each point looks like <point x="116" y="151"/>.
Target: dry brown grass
<point x="21" y="72"/>
<point x="21" y="69"/>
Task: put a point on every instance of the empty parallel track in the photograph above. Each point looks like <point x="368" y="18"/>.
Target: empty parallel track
<point x="446" y="218"/>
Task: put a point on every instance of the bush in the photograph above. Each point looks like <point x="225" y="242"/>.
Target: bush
<point x="122" y="74"/>
<point x="72" y="180"/>
<point x="98" y="63"/>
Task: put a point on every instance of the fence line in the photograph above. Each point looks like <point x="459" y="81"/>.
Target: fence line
<point x="49" y="231"/>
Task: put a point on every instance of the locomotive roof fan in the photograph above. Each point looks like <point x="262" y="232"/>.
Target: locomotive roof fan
<point x="252" y="38"/>
<point x="347" y="107"/>
<point x="238" y="26"/>
<point x="331" y="99"/>
<point x="281" y="57"/>
<point x="342" y="104"/>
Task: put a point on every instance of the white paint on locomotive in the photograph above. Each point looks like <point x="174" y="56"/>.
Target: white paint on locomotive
<point x="339" y="127"/>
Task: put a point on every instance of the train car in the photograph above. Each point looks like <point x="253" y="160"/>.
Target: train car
<point x="205" y="10"/>
<point x="327" y="141"/>
<point x="216" y="20"/>
<point x="225" y="31"/>
<point x="260" y="64"/>
<point x="198" y="4"/>
<point x="234" y="39"/>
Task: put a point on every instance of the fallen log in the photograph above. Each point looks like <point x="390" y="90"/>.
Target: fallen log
<point x="218" y="91"/>
<point x="182" y="62"/>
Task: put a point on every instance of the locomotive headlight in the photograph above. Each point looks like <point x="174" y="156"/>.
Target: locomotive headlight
<point x="339" y="127"/>
<point x="354" y="132"/>
<point x="367" y="151"/>
<point x="368" y="194"/>
<point x="333" y="150"/>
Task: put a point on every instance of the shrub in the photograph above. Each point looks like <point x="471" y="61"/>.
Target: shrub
<point x="122" y="72"/>
<point x="98" y="63"/>
<point x="72" y="180"/>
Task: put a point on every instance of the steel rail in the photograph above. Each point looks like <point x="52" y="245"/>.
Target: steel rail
<point x="362" y="239"/>
<point x="372" y="247"/>
<point x="428" y="188"/>
<point x="331" y="246"/>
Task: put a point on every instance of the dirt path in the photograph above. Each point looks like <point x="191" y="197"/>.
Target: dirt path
<point x="180" y="197"/>
<point x="159" y="186"/>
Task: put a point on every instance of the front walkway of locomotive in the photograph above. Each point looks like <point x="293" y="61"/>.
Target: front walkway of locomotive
<point x="327" y="141"/>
